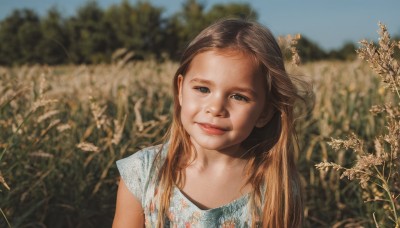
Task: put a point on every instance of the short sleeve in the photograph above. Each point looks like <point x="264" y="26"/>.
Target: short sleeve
<point x="135" y="171"/>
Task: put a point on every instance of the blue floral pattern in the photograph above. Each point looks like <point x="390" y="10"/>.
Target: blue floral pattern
<point x="139" y="173"/>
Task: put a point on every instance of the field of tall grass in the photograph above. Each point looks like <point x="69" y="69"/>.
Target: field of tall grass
<point x="62" y="129"/>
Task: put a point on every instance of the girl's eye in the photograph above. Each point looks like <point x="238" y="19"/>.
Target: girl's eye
<point x="240" y="97"/>
<point x="202" y="89"/>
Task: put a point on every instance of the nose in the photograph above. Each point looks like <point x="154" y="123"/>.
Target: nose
<point x="216" y="106"/>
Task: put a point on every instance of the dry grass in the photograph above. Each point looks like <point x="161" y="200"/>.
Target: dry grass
<point x="377" y="168"/>
<point x="63" y="128"/>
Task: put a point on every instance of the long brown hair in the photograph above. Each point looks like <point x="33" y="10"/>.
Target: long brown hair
<point x="271" y="170"/>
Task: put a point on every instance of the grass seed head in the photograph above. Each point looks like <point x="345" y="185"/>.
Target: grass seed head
<point x="88" y="147"/>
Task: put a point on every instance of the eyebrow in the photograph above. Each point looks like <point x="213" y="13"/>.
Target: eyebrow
<point x="202" y="81"/>
<point x="239" y="89"/>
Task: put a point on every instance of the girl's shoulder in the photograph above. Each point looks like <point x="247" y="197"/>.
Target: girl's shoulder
<point x="143" y="158"/>
<point x="140" y="169"/>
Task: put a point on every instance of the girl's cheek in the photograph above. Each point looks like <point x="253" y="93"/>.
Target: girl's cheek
<point x="190" y="105"/>
<point x="194" y="99"/>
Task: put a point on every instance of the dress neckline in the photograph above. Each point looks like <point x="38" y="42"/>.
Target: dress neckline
<point x="238" y="202"/>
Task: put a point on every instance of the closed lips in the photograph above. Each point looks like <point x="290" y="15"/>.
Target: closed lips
<point x="213" y="129"/>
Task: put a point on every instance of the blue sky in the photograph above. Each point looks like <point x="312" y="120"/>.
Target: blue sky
<point x="330" y="23"/>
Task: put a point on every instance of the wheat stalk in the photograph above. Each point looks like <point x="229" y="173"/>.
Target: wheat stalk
<point x="377" y="169"/>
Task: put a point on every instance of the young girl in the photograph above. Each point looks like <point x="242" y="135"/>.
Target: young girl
<point x="228" y="157"/>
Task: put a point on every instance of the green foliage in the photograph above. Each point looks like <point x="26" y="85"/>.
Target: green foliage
<point x="186" y="24"/>
<point x="309" y="51"/>
<point x="87" y="35"/>
<point x="137" y="28"/>
<point x="54" y="42"/>
<point x="19" y="36"/>
<point x="347" y="52"/>
<point x="238" y="10"/>
<point x="93" y="34"/>
<point x="29" y="36"/>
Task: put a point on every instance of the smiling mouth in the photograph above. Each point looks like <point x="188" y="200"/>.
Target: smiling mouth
<point x="212" y="129"/>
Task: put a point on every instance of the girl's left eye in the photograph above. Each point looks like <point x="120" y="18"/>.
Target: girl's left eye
<point x="202" y="89"/>
<point x="239" y="97"/>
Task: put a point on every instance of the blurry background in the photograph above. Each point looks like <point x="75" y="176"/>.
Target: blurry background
<point x="59" y="32"/>
<point x="83" y="84"/>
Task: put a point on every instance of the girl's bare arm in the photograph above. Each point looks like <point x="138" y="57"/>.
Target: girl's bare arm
<point x="129" y="211"/>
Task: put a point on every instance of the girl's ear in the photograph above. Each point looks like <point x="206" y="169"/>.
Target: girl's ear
<point x="265" y="118"/>
<point x="180" y="86"/>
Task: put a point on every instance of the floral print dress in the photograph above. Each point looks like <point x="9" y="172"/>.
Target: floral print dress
<point x="139" y="173"/>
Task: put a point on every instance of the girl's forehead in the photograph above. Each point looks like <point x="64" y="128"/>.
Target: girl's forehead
<point x="233" y="53"/>
<point x="227" y="66"/>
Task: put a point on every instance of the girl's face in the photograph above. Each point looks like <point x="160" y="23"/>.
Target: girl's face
<point x="222" y="98"/>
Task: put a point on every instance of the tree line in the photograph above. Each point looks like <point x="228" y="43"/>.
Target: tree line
<point x="93" y="34"/>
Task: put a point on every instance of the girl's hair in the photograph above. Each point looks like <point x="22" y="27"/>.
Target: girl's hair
<point x="276" y="197"/>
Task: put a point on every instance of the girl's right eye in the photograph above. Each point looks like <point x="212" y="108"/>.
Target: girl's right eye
<point x="202" y="89"/>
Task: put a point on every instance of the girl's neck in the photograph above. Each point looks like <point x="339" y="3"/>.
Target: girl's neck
<point x="227" y="158"/>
